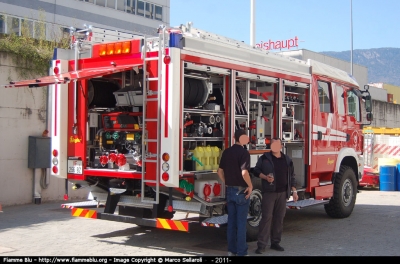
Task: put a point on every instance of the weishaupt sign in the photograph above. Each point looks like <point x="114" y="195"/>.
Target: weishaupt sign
<point x="279" y="44"/>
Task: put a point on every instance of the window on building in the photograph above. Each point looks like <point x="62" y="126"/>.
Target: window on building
<point x="121" y="5"/>
<point x="2" y="24"/>
<point x="140" y="8"/>
<point x="324" y="95"/>
<point x="13" y="25"/>
<point x="131" y="6"/>
<point x="340" y="99"/>
<point x="149" y="11"/>
<point x="353" y="105"/>
<point x="65" y="33"/>
<point x="157" y="12"/>
<point x="26" y="28"/>
<point x="39" y="30"/>
<point x="101" y="2"/>
<point x="111" y="4"/>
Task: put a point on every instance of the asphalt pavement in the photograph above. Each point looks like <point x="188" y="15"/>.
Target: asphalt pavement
<point x="48" y="230"/>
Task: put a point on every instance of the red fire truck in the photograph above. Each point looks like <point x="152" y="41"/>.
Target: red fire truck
<point x="142" y="122"/>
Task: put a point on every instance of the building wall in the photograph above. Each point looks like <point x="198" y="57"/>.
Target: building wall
<point x="385" y="114"/>
<point x="23" y="113"/>
<point x="393" y="89"/>
<point x="378" y="94"/>
<point x="74" y="13"/>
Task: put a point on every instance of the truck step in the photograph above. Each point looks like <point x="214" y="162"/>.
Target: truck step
<point x="304" y="203"/>
<point x="86" y="204"/>
<point x="218" y="221"/>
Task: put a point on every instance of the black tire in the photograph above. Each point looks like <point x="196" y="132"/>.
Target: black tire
<point x="342" y="203"/>
<point x="254" y="210"/>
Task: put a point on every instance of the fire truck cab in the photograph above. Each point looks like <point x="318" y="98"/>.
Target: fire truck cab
<point x="142" y="123"/>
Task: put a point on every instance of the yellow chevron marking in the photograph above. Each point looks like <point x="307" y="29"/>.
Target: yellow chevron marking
<point x="90" y="213"/>
<point x="77" y="212"/>
<point x="180" y="226"/>
<point x="164" y="223"/>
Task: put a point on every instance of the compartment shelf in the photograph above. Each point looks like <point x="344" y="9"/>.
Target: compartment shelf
<point x="202" y="111"/>
<point x="260" y="101"/>
<point x="203" y="138"/>
<point x="294" y="126"/>
<point x="292" y="103"/>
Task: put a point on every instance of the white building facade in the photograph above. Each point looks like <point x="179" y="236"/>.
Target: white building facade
<point x="139" y="17"/>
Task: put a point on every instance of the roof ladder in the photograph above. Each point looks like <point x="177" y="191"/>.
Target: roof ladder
<point x="151" y="120"/>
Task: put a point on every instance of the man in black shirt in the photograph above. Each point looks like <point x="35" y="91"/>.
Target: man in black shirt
<point x="233" y="170"/>
<point x="278" y="182"/>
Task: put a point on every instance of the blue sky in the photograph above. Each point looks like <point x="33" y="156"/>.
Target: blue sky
<point x="320" y="25"/>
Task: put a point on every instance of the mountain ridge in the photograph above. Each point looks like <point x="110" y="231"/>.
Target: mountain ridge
<point x="383" y="63"/>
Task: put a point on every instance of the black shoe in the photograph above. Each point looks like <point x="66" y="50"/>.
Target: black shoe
<point x="260" y="250"/>
<point x="277" y="247"/>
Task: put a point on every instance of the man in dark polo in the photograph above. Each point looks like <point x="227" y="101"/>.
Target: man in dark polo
<point x="233" y="170"/>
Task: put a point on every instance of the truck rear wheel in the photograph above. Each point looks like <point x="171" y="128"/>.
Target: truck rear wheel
<point x="254" y="210"/>
<point x="344" y="194"/>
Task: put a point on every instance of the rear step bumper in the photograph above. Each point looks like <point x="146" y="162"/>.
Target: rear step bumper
<point x="178" y="225"/>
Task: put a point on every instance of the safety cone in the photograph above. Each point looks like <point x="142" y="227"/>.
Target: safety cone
<point x="1" y="208"/>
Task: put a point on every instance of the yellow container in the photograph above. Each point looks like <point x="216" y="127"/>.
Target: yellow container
<point x="387" y="161"/>
<point x="207" y="165"/>
<point x="215" y="157"/>
<point x="198" y="152"/>
<point x="207" y="151"/>
<point x="207" y="158"/>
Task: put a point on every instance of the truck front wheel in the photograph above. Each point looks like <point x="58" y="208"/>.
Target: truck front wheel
<point x="344" y="194"/>
<point x="254" y="210"/>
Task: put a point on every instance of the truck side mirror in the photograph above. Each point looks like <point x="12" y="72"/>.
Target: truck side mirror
<point x="368" y="103"/>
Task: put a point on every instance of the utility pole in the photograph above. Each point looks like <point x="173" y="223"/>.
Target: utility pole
<point x="252" y="23"/>
<point x="351" y="37"/>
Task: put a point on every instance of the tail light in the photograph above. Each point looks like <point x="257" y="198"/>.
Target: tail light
<point x="55" y="169"/>
<point x="165" y="176"/>
<point x="56" y="70"/>
<point x="167" y="59"/>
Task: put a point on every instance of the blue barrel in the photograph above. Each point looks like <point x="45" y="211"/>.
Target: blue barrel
<point x="387" y="178"/>
<point x="398" y="177"/>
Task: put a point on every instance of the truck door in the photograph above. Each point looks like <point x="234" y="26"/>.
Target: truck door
<point x="325" y="127"/>
<point x="340" y="116"/>
<point x="353" y="120"/>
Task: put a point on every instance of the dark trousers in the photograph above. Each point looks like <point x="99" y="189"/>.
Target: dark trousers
<point x="273" y="206"/>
